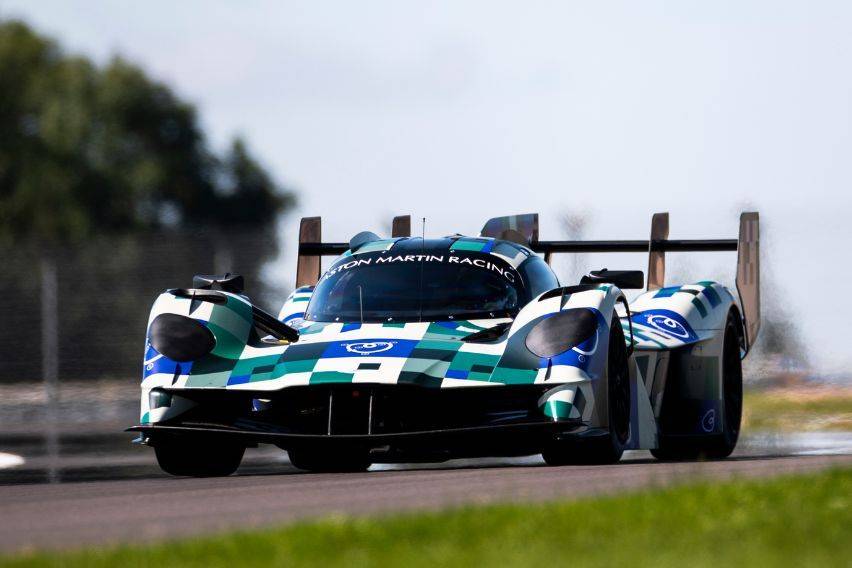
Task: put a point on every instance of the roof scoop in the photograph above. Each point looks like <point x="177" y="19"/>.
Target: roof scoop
<point x="362" y="239"/>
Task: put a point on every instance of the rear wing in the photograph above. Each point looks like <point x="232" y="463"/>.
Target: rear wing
<point x="312" y="249"/>
<point x="524" y="229"/>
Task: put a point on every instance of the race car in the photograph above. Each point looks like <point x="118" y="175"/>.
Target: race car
<point x="408" y="349"/>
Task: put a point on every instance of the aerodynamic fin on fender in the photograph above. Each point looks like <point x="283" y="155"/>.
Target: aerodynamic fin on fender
<point x="748" y="274"/>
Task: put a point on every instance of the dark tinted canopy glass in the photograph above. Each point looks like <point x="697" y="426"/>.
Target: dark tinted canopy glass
<point x="432" y="287"/>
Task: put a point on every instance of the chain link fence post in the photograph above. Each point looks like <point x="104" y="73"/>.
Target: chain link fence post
<point x="50" y="358"/>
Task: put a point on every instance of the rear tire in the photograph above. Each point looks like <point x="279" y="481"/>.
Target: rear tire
<point x="347" y="461"/>
<point x="197" y="457"/>
<point x="604" y="449"/>
<point x="721" y="445"/>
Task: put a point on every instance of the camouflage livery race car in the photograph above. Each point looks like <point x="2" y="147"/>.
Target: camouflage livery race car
<point x="410" y="349"/>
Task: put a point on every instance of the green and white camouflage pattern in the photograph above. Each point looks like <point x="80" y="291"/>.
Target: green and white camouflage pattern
<point x="434" y="354"/>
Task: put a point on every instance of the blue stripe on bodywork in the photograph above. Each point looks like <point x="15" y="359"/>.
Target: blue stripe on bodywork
<point x="239" y="380"/>
<point x="456" y="374"/>
<point x="163" y="364"/>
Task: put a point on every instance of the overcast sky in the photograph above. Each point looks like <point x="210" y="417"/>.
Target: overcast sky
<point x="459" y="111"/>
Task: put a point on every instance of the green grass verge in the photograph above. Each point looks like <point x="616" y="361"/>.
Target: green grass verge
<point x="797" y="410"/>
<point x="788" y="521"/>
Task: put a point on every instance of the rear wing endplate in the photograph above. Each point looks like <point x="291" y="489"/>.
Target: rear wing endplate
<point x="748" y="274"/>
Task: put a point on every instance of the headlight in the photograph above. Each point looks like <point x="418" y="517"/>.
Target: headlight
<point x="180" y="338"/>
<point x="562" y="331"/>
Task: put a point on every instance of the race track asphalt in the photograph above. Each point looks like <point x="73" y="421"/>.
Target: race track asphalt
<point x="89" y="500"/>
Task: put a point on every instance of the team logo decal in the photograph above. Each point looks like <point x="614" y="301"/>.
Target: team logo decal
<point x="668" y="325"/>
<point x="708" y="421"/>
<point x="369" y="347"/>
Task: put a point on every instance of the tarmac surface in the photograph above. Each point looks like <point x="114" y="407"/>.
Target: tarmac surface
<point x="63" y="495"/>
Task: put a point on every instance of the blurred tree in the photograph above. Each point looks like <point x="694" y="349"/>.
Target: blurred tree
<point x="245" y="195"/>
<point x="86" y="150"/>
<point x="114" y="162"/>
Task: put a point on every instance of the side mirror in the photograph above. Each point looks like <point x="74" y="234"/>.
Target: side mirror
<point x="624" y="279"/>
<point x="227" y="282"/>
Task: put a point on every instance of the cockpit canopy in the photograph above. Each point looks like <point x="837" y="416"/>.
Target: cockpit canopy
<point x="428" y="281"/>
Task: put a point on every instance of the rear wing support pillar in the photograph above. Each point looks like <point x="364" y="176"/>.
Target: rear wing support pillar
<point x="657" y="258"/>
<point x="308" y="267"/>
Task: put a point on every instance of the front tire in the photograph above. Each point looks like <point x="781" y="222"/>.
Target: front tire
<point x="194" y="457"/>
<point x="721" y="445"/>
<point x="604" y="449"/>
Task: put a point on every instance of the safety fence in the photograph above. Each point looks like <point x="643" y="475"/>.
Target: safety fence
<point x="78" y="312"/>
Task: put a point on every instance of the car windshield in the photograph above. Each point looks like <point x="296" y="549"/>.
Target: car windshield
<point x="378" y="287"/>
